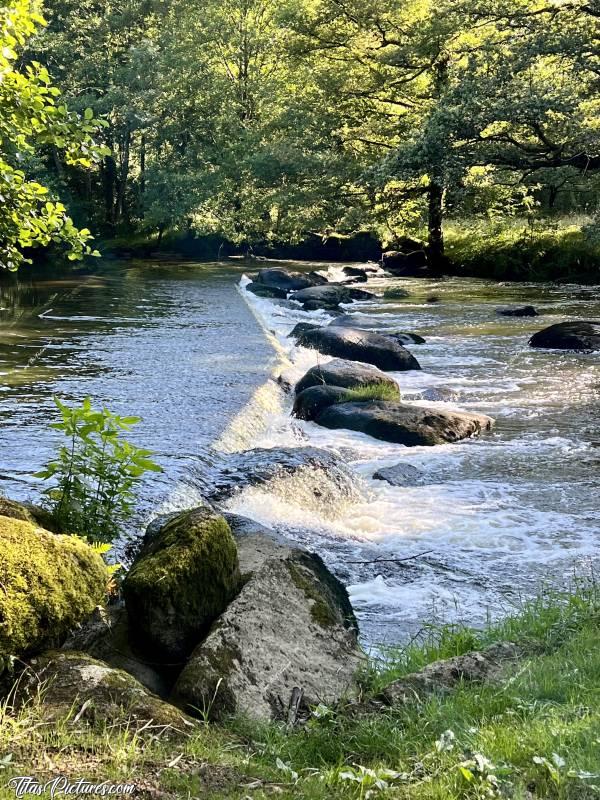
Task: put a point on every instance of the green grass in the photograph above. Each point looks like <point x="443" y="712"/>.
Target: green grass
<point x="533" y="736"/>
<point x="371" y="391"/>
<point x="395" y="293"/>
<point x="518" y="249"/>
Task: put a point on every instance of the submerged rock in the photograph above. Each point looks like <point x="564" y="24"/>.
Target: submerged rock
<point x="301" y="328"/>
<point x="96" y="691"/>
<point x="404" y="424"/>
<point x="309" y="403"/>
<point x="287" y="642"/>
<point x="400" y="475"/>
<point x="358" y="345"/>
<point x="576" y="335"/>
<point x="48" y="584"/>
<point x="184" y="576"/>
<point x="522" y="311"/>
<point x="346" y="374"/>
<point x="261" y="466"/>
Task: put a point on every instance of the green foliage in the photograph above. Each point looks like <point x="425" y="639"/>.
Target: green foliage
<point x="33" y="118"/>
<point x="94" y="477"/>
<point x="49" y="582"/>
<point x="395" y="293"/>
<point x="371" y="391"/>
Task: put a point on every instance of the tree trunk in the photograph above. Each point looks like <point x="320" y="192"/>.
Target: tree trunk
<point x="435" y="218"/>
<point x="109" y="175"/>
<point x="123" y="177"/>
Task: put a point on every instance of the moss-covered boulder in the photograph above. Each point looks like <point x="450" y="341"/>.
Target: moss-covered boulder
<point x="28" y="512"/>
<point x="49" y="583"/>
<point x="185" y="575"/>
<point x="76" y="684"/>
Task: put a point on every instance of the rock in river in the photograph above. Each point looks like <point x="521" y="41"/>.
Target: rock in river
<point x="261" y="290"/>
<point x="358" y="345"/>
<point x="521" y="311"/>
<point x="286" y="643"/>
<point x="404" y="424"/>
<point x="410" y="264"/>
<point x="184" y="576"/>
<point x="331" y="295"/>
<point x="368" y="323"/>
<point x="577" y="335"/>
<point x="309" y="403"/>
<point x="343" y="373"/>
<point x="400" y="475"/>
<point x="282" y="280"/>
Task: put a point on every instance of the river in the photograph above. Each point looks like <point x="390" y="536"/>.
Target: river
<point x="189" y="350"/>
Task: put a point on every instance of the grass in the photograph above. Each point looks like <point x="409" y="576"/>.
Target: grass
<point x="561" y="249"/>
<point x="395" y="293"/>
<point x="371" y="391"/>
<point x="534" y="735"/>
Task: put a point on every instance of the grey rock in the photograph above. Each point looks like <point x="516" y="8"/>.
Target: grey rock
<point x="282" y="280"/>
<point x="404" y="424"/>
<point x="522" y="311"/>
<point x="261" y="290"/>
<point x="378" y="324"/>
<point x="332" y="294"/>
<point x="400" y="475"/>
<point x="301" y="328"/>
<point x="309" y="403"/>
<point x="358" y="345"/>
<point x="409" y="264"/>
<point x="287" y="642"/>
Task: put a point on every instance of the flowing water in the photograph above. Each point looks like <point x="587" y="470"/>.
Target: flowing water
<point x="180" y="346"/>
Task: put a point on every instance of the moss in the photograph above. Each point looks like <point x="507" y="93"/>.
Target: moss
<point x="395" y="293"/>
<point x="184" y="577"/>
<point x="371" y="391"/>
<point x="48" y="584"/>
<point x="321" y="609"/>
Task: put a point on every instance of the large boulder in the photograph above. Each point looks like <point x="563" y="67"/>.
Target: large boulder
<point x="521" y="311"/>
<point x="331" y="294"/>
<point x="411" y="264"/>
<point x="261" y="290"/>
<point x="346" y="374"/>
<point x="577" y="335"/>
<point x="358" y="345"/>
<point x="97" y="692"/>
<point x="309" y="403"/>
<point x="287" y="642"/>
<point x="48" y="584"/>
<point x="29" y="512"/>
<point x="404" y="424"/>
<point x="282" y="280"/>
<point x="184" y="576"/>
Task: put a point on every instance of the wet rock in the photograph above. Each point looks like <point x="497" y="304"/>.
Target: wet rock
<point x="285" y="380"/>
<point x="106" y="635"/>
<point x="287" y="642"/>
<point x="182" y="579"/>
<point x="346" y="374"/>
<point x="96" y="691"/>
<point x="320" y="305"/>
<point x="395" y="293"/>
<point x="355" y="272"/>
<point x="316" y="279"/>
<point x="266" y="291"/>
<point x="282" y="280"/>
<point x="400" y="475"/>
<point x="441" y="676"/>
<point x="309" y="403"/>
<point x="408" y="264"/>
<point x="48" y="584"/>
<point x="301" y="328"/>
<point x="332" y="294"/>
<point x="433" y="299"/>
<point x="358" y="345"/>
<point x="577" y="335"/>
<point x="364" y="322"/>
<point x="261" y="466"/>
<point x="404" y="424"/>
<point x="522" y="311"/>
<point x="443" y="394"/>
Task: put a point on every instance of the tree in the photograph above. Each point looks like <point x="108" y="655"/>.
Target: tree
<point x="33" y="119"/>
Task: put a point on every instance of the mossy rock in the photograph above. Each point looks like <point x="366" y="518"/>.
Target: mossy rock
<point x="184" y="577"/>
<point x="49" y="583"/>
<point x="97" y="691"/>
<point x="28" y="512"/>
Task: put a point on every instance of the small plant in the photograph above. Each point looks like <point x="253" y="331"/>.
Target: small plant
<point x="371" y="391"/>
<point x="95" y="475"/>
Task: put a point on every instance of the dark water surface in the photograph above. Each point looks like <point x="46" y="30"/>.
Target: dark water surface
<point x="174" y="344"/>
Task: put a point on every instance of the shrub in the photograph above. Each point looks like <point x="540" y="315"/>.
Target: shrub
<point x="94" y="476"/>
<point x="395" y="293"/>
